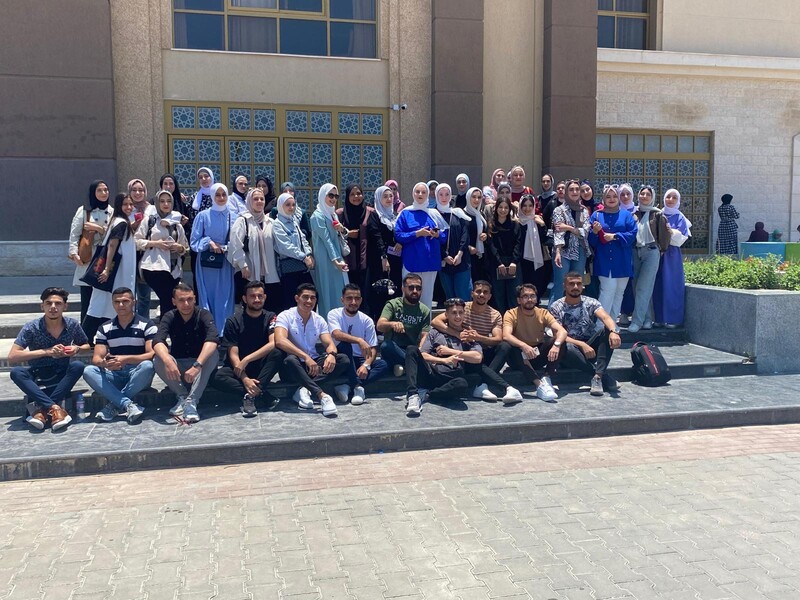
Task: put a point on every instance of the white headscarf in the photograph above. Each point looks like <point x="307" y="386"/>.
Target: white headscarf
<point x="385" y="214"/>
<point x="480" y="220"/>
<point x="630" y="206"/>
<point x="198" y="197"/>
<point x="214" y="205"/>
<point x="423" y="206"/>
<point x="281" y="201"/>
<point x="532" y="249"/>
<point x="447" y="208"/>
<point x="322" y="206"/>
<point x="671" y="210"/>
<point x="465" y="176"/>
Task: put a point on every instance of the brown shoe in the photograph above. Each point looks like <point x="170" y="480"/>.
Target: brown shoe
<point x="58" y="417"/>
<point x="38" y="419"/>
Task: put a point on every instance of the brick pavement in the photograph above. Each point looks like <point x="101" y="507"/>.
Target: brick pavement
<point x="698" y="514"/>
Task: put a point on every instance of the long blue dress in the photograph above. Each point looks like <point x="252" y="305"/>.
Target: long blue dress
<point x="329" y="279"/>
<point x="669" y="290"/>
<point x="214" y="286"/>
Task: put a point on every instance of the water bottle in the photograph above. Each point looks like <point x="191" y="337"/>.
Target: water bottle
<point x="80" y="407"/>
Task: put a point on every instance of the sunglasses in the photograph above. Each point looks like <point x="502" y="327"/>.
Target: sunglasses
<point x="414" y="288"/>
<point x="332" y="195"/>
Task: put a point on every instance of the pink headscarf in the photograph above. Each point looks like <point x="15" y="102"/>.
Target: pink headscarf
<point x="397" y="204"/>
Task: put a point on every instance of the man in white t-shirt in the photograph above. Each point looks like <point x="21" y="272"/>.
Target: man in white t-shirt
<point x="355" y="335"/>
<point x="298" y="333"/>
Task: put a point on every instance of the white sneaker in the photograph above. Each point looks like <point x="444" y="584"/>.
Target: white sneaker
<point x="328" y="407"/>
<point x="303" y="398"/>
<point x="342" y="393"/>
<point x="177" y="410"/>
<point x="633" y="328"/>
<point x="413" y="405"/>
<point x="398" y="370"/>
<point x="512" y="396"/>
<point x="483" y="392"/>
<point x="546" y="392"/>
<point x="358" y="396"/>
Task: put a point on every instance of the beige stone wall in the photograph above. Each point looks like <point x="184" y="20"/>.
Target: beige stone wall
<point x="512" y="86"/>
<point x="743" y="27"/>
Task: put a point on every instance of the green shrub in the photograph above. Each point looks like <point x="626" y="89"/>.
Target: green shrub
<point x="744" y="274"/>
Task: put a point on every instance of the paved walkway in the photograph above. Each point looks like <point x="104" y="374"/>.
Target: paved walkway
<point x="702" y="514"/>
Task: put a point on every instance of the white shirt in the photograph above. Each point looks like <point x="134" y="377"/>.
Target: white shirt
<point x="303" y="335"/>
<point x="360" y="326"/>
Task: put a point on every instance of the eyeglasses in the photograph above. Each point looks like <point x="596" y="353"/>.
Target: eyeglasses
<point x="332" y="195"/>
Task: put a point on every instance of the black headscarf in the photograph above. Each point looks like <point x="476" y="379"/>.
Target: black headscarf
<point x="93" y="201"/>
<point x="269" y="195"/>
<point x="354" y="214"/>
<point x="177" y="199"/>
<point x="726" y="198"/>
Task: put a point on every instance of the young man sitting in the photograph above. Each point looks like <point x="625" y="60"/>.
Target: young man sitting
<point x="298" y="331"/>
<point x="404" y="321"/>
<point x="355" y="335"/>
<point x="587" y="349"/>
<point x="252" y="359"/>
<point x="524" y="328"/>
<point x="122" y="365"/>
<point x="48" y="344"/>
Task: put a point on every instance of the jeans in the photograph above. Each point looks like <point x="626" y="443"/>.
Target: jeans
<point x="441" y="387"/>
<point x="198" y="386"/>
<point x="143" y="300"/>
<point x="25" y="379"/>
<point x="457" y="285"/>
<point x="119" y="387"/>
<point x="225" y="380"/>
<point x="645" y="267"/>
<point x="379" y="366"/>
<point x="294" y="371"/>
<point x="393" y="354"/>
<point x="578" y="265"/>
<point x="612" y="289"/>
<point x="572" y="356"/>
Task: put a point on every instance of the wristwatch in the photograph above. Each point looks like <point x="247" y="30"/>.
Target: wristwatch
<point x="197" y="364"/>
<point x="556" y="344"/>
<point x="367" y="366"/>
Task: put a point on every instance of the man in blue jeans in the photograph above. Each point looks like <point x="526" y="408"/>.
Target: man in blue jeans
<point x="47" y="344"/>
<point x="354" y="334"/>
<point x="122" y="365"/>
<point x="405" y="322"/>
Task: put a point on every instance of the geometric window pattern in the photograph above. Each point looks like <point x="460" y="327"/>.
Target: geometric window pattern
<point x="338" y="146"/>
<point x="662" y="160"/>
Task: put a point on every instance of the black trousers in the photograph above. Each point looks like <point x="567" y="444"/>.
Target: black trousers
<point x="293" y="371"/>
<point x="440" y="386"/>
<point x="495" y="357"/>
<point x="225" y="380"/>
<point x="529" y="367"/>
<point x="163" y="284"/>
<point x="574" y="357"/>
<point x="538" y="277"/>
<point x="86" y="297"/>
<point x="289" y="283"/>
<point x="481" y="373"/>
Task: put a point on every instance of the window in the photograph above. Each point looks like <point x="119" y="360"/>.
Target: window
<point x="664" y="160"/>
<point x="346" y="28"/>
<point x="623" y="24"/>
<point x="307" y="146"/>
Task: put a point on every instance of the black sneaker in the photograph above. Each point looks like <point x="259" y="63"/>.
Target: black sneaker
<point x="271" y="401"/>
<point x="249" y="407"/>
<point x="610" y="384"/>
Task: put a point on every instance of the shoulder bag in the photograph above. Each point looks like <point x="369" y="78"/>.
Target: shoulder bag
<point x="212" y="260"/>
<point x="85" y="242"/>
<point x="289" y="264"/>
<point x="98" y="265"/>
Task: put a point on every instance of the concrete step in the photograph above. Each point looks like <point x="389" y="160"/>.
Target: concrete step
<point x="381" y="425"/>
<point x="686" y="361"/>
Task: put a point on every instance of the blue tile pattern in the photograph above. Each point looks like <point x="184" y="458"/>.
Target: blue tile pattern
<point x="372" y="124"/>
<point x="298" y="176"/>
<point x="264" y="119"/>
<point x="238" y="151"/>
<point x="239" y="118"/>
<point x="208" y="151"/>
<point x="240" y="169"/>
<point x="685" y="168"/>
<point x="348" y="123"/>
<point x="350" y="175"/>
<point x="651" y="167"/>
<point x="322" y="154"/>
<point x="373" y="155"/>
<point x="183" y="150"/>
<point x="186" y="174"/>
<point x="302" y="198"/>
<point x="684" y="185"/>
<point x="209" y="118"/>
<point x="636" y="167"/>
<point x="321" y="176"/>
<point x="619" y="167"/>
<point x="602" y="166"/>
<point x="701" y="186"/>
<point x="183" y="117"/>
<point x="350" y="154"/>
<point x="264" y="152"/>
<point x="298" y="154"/>
<point x="669" y="167"/>
<point x="320" y="122"/>
<point x="373" y="178"/>
<point x="701" y="168"/>
<point x="296" y="120"/>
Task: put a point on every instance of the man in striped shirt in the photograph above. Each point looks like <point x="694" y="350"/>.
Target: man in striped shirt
<point x="122" y="365"/>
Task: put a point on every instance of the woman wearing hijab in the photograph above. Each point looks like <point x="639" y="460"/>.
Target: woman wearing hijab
<point x="516" y="177"/>
<point x="264" y="183"/>
<point x="422" y="231"/>
<point x="759" y="234"/>
<point x="570" y="238"/>
<point x="534" y="265"/>
<point x="587" y="196"/>
<point x="456" y="264"/>
<point x="211" y="233"/>
<point x="728" y="230"/>
<point x="356" y="217"/>
<point x="462" y="185"/>
<point x="384" y="254"/>
<point x="236" y="199"/>
<point x="292" y="250"/>
<point x="119" y="242"/>
<point x="478" y="228"/>
<point x="202" y="200"/>
<point x="90" y="220"/>
<point x="180" y="203"/>
<point x="652" y="240"/>
<point x="504" y="252"/>
<point x="625" y="192"/>
<point x="611" y="236"/>
<point x="251" y="250"/>
<point x="137" y="190"/>
<point x="498" y="176"/>
<point x="548" y="200"/>
<point x="432" y="185"/>
<point x="162" y="241"/>
<point x="670" y="286"/>
<point x="331" y="274"/>
<point x="397" y="204"/>
<point x="287" y="187"/>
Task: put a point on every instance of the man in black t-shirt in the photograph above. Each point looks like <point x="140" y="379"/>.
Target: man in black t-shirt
<point x="252" y="359"/>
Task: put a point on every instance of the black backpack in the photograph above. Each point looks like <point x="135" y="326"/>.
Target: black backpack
<point x="649" y="367"/>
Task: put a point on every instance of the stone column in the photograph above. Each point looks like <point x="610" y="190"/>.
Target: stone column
<point x="570" y="88"/>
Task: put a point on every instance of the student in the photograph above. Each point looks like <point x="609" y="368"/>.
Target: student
<point x="404" y="321"/>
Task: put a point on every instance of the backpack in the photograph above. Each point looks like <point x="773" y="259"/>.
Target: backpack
<point x="649" y="367"/>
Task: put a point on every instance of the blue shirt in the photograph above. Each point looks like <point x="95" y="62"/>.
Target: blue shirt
<point x="615" y="258"/>
<point x="420" y="254"/>
<point x="34" y="336"/>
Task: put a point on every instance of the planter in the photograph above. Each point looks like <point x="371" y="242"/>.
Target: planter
<point x="764" y="324"/>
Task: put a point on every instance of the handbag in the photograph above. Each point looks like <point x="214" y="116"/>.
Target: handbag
<point x="289" y="264"/>
<point x="85" y="242"/>
<point x="98" y="265"/>
<point x="344" y="244"/>
<point x="212" y="260"/>
<point x="501" y="277"/>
